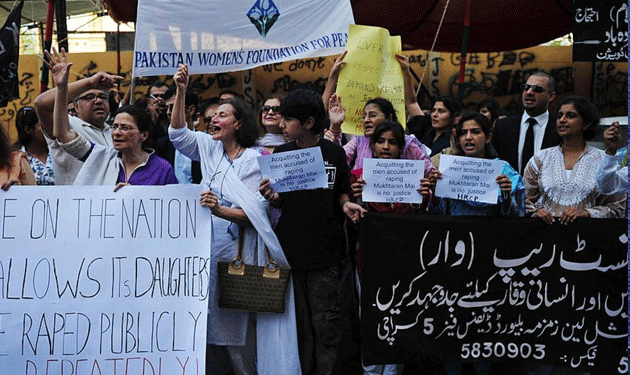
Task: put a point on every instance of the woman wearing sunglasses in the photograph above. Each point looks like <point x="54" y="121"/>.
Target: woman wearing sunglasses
<point x="127" y="162"/>
<point x="270" y="118"/>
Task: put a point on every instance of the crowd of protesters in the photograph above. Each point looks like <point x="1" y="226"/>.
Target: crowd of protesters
<point x="549" y="172"/>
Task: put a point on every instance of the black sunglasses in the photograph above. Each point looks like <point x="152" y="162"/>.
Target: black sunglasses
<point x="266" y="108"/>
<point x="537" y="89"/>
<point x="157" y="96"/>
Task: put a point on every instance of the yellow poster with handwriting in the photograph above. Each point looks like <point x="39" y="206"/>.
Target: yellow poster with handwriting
<point x="371" y="71"/>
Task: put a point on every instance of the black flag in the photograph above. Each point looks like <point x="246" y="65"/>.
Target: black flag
<point x="9" y="55"/>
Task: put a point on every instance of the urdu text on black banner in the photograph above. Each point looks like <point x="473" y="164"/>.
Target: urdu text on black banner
<point x="486" y="289"/>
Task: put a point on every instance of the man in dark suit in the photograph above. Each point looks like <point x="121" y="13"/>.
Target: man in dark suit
<point x="518" y="138"/>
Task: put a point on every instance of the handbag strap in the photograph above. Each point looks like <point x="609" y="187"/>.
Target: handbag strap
<point x="237" y="266"/>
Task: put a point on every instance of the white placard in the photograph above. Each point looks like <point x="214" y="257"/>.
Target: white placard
<point x="469" y="179"/>
<point x="97" y="282"/>
<point x="394" y="181"/>
<point x="295" y="170"/>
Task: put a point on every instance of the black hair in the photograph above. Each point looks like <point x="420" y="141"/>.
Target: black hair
<point x="191" y="99"/>
<point x="156" y="84"/>
<point x="486" y="127"/>
<point x="385" y="106"/>
<point x="140" y="115"/>
<point x="492" y="105"/>
<point x="233" y="93"/>
<point x="589" y="114"/>
<point x="302" y="104"/>
<point x="169" y="93"/>
<point x="551" y="82"/>
<point x="204" y="104"/>
<point x="26" y="118"/>
<point x="247" y="134"/>
<point x="394" y="127"/>
<point x="450" y="103"/>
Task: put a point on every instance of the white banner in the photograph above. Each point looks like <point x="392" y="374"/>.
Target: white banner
<point x="220" y="36"/>
<point x="97" y="282"/>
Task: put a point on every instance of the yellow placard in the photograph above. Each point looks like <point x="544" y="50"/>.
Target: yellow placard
<point x="371" y="71"/>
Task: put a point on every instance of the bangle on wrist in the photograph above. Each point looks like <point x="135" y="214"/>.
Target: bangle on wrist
<point x="343" y="204"/>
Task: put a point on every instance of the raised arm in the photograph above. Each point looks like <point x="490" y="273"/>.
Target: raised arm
<point x="44" y="103"/>
<point x="178" y="118"/>
<point x="333" y="78"/>
<point x="60" y="71"/>
<point x="411" y="103"/>
<point x="337" y="115"/>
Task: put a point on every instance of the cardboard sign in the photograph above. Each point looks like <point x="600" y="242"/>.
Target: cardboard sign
<point x="371" y="72"/>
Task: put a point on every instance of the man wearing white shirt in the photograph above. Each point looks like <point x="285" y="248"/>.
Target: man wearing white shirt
<point x="510" y="136"/>
<point x="91" y="102"/>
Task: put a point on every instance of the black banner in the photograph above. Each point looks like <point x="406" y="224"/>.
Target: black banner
<point x="486" y="289"/>
<point x="9" y="56"/>
<point x="600" y="30"/>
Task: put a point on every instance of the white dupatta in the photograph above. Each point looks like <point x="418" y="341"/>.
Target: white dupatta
<point x="276" y="334"/>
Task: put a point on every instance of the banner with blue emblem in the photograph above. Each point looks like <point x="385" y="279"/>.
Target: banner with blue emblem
<point x="222" y="36"/>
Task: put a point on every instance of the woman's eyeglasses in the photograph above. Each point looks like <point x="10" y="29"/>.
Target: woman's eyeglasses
<point x="372" y="115"/>
<point x="123" y="128"/>
<point x="266" y="108"/>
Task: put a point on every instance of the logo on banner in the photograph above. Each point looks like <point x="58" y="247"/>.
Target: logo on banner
<point x="263" y="15"/>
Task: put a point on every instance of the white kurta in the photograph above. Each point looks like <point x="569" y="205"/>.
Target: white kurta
<point x="549" y="186"/>
<point x="276" y="334"/>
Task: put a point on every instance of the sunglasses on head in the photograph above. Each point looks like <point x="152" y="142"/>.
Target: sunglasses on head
<point x="537" y="89"/>
<point x="266" y="108"/>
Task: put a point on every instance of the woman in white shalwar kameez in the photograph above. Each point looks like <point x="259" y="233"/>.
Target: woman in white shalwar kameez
<point x="232" y="175"/>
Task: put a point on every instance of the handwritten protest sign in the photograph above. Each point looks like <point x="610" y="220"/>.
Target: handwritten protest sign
<point x="371" y="71"/>
<point x="97" y="282"/>
<point x="392" y="180"/>
<point x="489" y="289"/>
<point x="295" y="170"/>
<point x="469" y="179"/>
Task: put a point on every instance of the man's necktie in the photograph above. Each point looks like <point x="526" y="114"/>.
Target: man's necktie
<point x="528" y="147"/>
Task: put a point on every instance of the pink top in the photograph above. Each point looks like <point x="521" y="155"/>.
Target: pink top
<point x="358" y="148"/>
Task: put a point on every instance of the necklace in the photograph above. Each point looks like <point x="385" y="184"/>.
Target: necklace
<point x="218" y="171"/>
